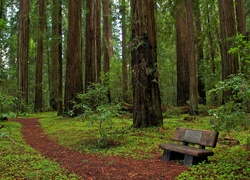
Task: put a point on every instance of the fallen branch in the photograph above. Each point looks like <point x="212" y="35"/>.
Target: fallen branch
<point x="4" y="135"/>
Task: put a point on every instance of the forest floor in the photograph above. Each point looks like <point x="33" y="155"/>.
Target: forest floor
<point x="92" y="166"/>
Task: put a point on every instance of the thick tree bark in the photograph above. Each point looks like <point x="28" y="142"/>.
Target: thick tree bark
<point x="146" y="93"/>
<point x="124" y="53"/>
<point x="98" y="40"/>
<point x="182" y="53"/>
<point x="60" y="64"/>
<point x="39" y="64"/>
<point x="200" y="57"/>
<point x="230" y="63"/>
<point x="240" y="16"/>
<point x="91" y="67"/>
<point x="23" y="52"/>
<point x="107" y="35"/>
<point x="74" y="81"/>
<point x="107" y="39"/>
<point x="241" y="27"/>
<point x="193" y="89"/>
<point x="54" y="55"/>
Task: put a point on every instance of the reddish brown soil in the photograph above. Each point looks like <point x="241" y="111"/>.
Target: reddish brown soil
<point x="97" y="167"/>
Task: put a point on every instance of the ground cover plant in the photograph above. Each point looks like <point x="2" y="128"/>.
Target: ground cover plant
<point x="20" y="161"/>
<point x="229" y="162"/>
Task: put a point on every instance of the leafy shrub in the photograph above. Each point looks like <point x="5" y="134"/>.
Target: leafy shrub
<point x="96" y="107"/>
<point x="233" y="114"/>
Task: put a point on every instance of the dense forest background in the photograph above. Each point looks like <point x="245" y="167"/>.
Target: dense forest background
<point x="53" y="51"/>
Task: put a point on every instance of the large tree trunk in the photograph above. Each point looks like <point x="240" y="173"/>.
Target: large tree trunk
<point x="230" y="63"/>
<point x="193" y="89"/>
<point x="241" y="27"/>
<point x="74" y="81"/>
<point x="39" y="64"/>
<point x="23" y="52"/>
<point x="146" y="93"/>
<point x="92" y="52"/>
<point x="107" y="39"/>
<point x="98" y="40"/>
<point x="182" y="53"/>
<point x="200" y="57"/>
<point x="54" y="55"/>
<point x="124" y="53"/>
<point x="240" y="16"/>
<point x="60" y="66"/>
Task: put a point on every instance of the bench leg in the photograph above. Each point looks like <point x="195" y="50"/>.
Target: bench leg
<point x="171" y="155"/>
<point x="192" y="160"/>
<point x="188" y="160"/>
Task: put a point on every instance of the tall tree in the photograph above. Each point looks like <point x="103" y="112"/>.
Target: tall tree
<point x="193" y="84"/>
<point x="23" y="51"/>
<point x="124" y="52"/>
<point x="182" y="53"/>
<point x="230" y="63"/>
<point x="98" y="39"/>
<point x="240" y="16"/>
<point x="74" y="79"/>
<point x="56" y="48"/>
<point x="146" y="94"/>
<point x="241" y="26"/>
<point x="200" y="55"/>
<point x="39" y="64"/>
<point x="92" y="51"/>
<point x="107" y="38"/>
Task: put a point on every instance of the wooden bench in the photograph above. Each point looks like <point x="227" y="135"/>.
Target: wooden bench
<point x="190" y="154"/>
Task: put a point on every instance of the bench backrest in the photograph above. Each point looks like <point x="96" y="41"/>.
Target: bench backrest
<point x="200" y="137"/>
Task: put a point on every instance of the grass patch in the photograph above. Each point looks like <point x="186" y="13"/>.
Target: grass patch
<point x="20" y="161"/>
<point x="227" y="163"/>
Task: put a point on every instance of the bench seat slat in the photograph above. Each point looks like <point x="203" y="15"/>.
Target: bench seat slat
<point x="192" y="151"/>
<point x="201" y="137"/>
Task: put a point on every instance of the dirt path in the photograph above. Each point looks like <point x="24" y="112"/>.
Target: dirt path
<point x="93" y="166"/>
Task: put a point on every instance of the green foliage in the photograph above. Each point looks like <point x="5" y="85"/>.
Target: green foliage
<point x="230" y="164"/>
<point x="7" y="102"/>
<point x="242" y="48"/>
<point x="96" y="107"/>
<point x="143" y="143"/>
<point x="20" y="161"/>
<point x="232" y="115"/>
<point x="2" y="24"/>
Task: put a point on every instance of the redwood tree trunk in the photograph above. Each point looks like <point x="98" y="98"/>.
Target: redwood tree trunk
<point x="240" y="16"/>
<point x="182" y="53"/>
<point x="124" y="53"/>
<point x="200" y="57"/>
<point x="91" y="50"/>
<point x="230" y="63"/>
<point x="23" y="51"/>
<point x="60" y="66"/>
<point x="98" y="39"/>
<point x="55" y="55"/>
<point x="74" y="81"/>
<point x="39" y="64"/>
<point x="146" y="94"/>
<point x="107" y="38"/>
<point x="193" y="89"/>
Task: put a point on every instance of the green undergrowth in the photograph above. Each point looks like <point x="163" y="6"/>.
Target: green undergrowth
<point x="228" y="162"/>
<point x="123" y="140"/>
<point x="20" y="161"/>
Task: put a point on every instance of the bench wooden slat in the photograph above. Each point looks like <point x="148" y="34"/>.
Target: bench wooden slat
<point x="192" y="151"/>
<point x="190" y="155"/>
<point x="201" y="137"/>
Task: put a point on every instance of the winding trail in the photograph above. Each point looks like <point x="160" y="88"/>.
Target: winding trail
<point x="94" y="166"/>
